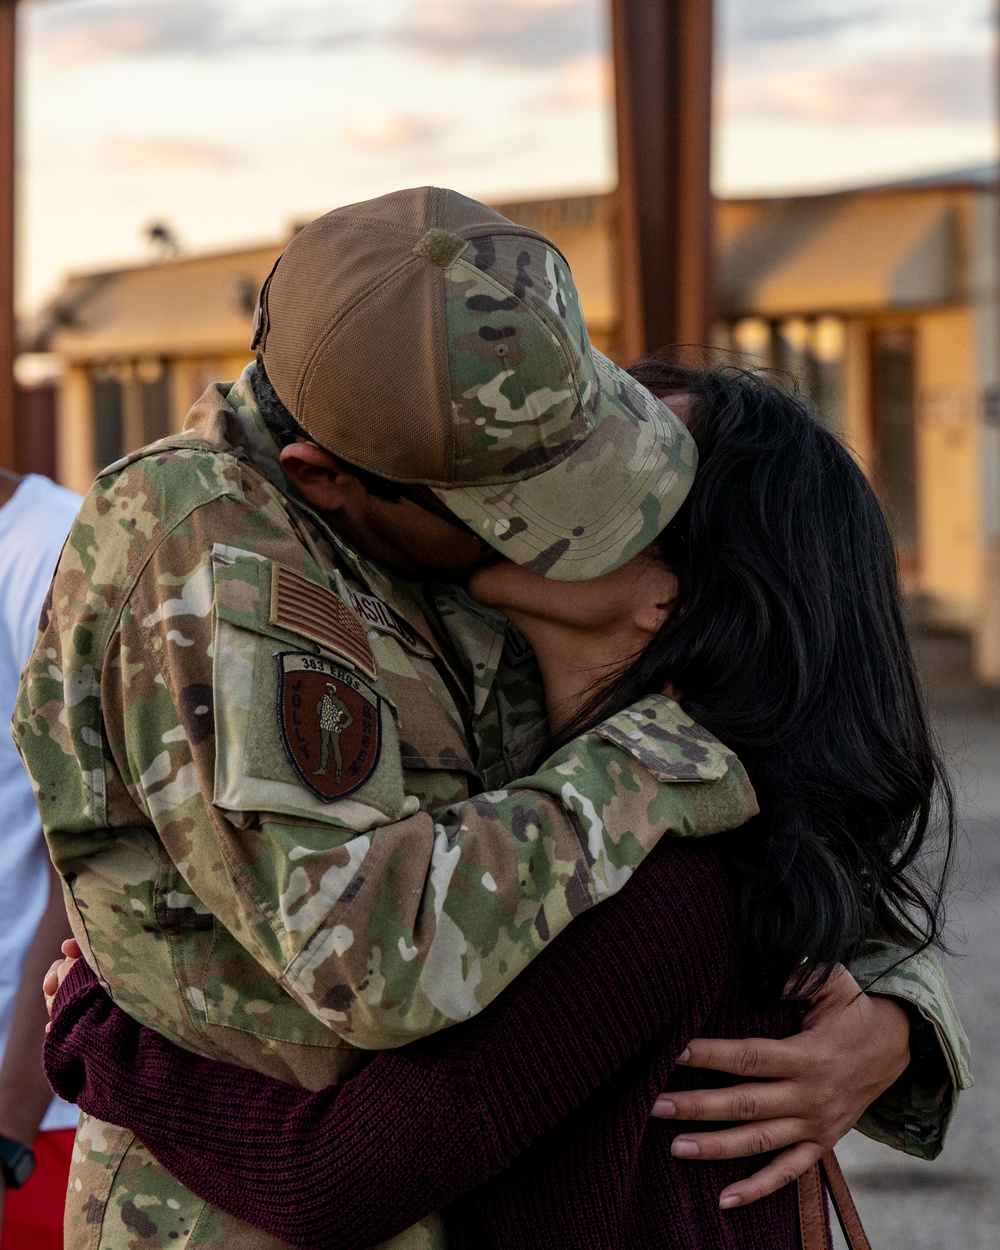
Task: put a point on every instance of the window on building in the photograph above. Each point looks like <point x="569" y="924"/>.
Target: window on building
<point x="109" y="416"/>
<point x="827" y="349"/>
<point x="153" y="378"/>
<point x="752" y="340"/>
<point x="809" y="349"/>
<point x="894" y="435"/>
<point x="131" y="406"/>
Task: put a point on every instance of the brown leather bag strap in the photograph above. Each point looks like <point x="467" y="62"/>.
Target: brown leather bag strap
<point x="812" y="1210"/>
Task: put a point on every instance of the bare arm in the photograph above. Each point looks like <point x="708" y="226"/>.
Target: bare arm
<point x="24" y="1092"/>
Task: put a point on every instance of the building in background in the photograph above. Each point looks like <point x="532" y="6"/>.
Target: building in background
<point x="882" y="301"/>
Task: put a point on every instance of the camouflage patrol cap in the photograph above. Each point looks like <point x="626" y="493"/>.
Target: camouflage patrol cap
<point x="425" y="338"/>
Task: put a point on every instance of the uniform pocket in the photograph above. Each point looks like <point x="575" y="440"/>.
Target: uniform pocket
<point x="299" y="731"/>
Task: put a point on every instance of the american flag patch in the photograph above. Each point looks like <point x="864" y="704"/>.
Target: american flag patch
<point x="299" y="605"/>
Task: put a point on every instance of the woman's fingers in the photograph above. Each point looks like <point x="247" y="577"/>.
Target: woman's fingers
<point x="763" y="1101"/>
<point x="50" y="982"/>
<point x="781" y="1171"/>
<point x="63" y="967"/>
<point x="57" y="973"/>
<point x="761" y="1137"/>
<point x="71" y="949"/>
<point x="748" y="1057"/>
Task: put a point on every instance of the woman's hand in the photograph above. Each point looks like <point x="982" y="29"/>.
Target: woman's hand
<point x="57" y="974"/>
<point x="808" y="1090"/>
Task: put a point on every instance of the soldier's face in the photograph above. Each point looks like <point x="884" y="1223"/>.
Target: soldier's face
<point x="409" y="539"/>
<point x="401" y="535"/>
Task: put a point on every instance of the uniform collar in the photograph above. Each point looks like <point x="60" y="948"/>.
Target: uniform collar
<point x="477" y="637"/>
<point x="262" y="449"/>
<point x="476" y="633"/>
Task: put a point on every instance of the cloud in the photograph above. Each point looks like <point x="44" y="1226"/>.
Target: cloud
<point x="526" y="34"/>
<point x="533" y="34"/>
<point x="74" y="34"/>
<point x="818" y="33"/>
<point x="782" y="21"/>
<point x="583" y="83"/>
<point x="127" y="153"/>
<point x="387" y="129"/>
<point x="917" y="88"/>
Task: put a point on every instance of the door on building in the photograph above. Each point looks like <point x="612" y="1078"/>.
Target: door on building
<point x="894" y="437"/>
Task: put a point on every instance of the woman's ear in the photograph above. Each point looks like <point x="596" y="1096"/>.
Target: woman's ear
<point x="659" y="593"/>
<point x="318" y="475"/>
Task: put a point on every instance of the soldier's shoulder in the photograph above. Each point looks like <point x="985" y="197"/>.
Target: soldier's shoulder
<point x="660" y="735"/>
<point x="183" y="492"/>
<point x="137" y="501"/>
<point x="185" y="467"/>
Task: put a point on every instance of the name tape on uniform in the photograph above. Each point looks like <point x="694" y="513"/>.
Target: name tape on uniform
<point x="302" y="607"/>
<point x="381" y="617"/>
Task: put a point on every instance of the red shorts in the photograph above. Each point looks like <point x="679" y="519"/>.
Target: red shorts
<point x="33" y="1214"/>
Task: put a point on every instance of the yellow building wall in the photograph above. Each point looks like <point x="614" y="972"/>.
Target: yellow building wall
<point x="948" y="480"/>
<point x="75" y="466"/>
<point x="191" y="377"/>
<point x="856" y="417"/>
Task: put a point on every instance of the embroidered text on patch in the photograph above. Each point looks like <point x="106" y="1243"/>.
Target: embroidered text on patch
<point x="299" y="605"/>
<point x="375" y="612"/>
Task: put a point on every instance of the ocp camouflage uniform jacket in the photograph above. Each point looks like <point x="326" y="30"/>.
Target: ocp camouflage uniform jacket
<point x="259" y="909"/>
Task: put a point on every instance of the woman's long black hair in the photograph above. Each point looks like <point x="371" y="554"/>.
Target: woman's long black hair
<point x="787" y="641"/>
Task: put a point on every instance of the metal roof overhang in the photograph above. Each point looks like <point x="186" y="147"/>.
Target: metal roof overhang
<point x="193" y="306"/>
<point x="842" y="254"/>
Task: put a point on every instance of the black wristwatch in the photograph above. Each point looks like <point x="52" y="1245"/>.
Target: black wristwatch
<point x="17" y="1161"/>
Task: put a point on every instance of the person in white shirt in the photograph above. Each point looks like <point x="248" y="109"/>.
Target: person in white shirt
<point x="36" y="1131"/>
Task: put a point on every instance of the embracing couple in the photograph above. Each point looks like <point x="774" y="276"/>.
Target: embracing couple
<point x="441" y="673"/>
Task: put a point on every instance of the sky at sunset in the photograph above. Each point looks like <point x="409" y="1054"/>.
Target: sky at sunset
<point x="231" y="119"/>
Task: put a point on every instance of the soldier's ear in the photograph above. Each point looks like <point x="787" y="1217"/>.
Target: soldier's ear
<point x="319" y="476"/>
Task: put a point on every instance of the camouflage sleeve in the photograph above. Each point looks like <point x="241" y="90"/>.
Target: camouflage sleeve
<point x="914" y="1114"/>
<point x="384" y="923"/>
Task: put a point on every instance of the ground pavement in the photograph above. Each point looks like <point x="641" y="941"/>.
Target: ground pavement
<point x="954" y="1203"/>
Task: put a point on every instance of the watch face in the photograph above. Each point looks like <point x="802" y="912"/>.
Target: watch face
<point x="18" y="1162"/>
<point x="23" y="1168"/>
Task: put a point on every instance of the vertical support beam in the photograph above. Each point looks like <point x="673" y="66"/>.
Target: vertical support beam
<point x="8" y="16"/>
<point x="663" y="98"/>
<point x="986" y="629"/>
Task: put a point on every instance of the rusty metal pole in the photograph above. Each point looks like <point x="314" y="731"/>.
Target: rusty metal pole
<point x="8" y="16"/>
<point x="663" y="99"/>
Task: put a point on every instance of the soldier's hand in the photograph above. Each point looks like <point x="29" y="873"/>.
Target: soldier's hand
<point x="57" y="974"/>
<point x="806" y="1091"/>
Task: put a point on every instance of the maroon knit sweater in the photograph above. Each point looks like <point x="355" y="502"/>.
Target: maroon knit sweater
<point x="529" y="1124"/>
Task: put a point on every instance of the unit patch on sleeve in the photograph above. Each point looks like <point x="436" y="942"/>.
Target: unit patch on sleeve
<point x="380" y="616"/>
<point x="303" y="607"/>
<point x="330" y="723"/>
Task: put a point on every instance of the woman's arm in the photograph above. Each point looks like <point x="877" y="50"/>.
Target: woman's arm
<point x="353" y="1165"/>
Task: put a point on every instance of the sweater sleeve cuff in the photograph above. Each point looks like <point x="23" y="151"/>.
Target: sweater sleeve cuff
<point x="79" y="998"/>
